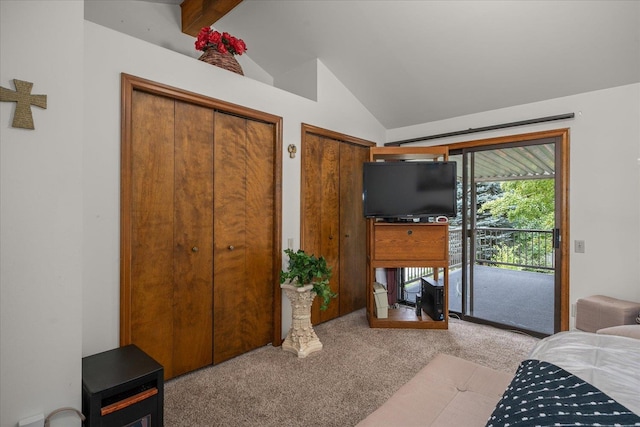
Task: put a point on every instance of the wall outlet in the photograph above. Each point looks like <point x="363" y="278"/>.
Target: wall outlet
<point x="290" y="243"/>
<point x="35" y="421"/>
<point x="579" y="246"/>
<point x="573" y="310"/>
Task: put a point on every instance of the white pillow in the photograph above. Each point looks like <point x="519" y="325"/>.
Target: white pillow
<point x="631" y="331"/>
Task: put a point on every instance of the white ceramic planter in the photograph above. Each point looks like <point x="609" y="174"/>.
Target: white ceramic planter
<point x="301" y="339"/>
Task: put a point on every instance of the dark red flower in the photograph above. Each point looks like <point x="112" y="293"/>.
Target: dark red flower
<point x="214" y="37"/>
<point x="223" y="43"/>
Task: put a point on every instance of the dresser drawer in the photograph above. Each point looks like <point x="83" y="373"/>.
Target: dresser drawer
<point x="410" y="242"/>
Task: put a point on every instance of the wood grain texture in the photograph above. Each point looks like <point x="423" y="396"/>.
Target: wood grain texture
<point x="193" y="238"/>
<point x="259" y="220"/>
<point x="332" y="224"/>
<point x="321" y="226"/>
<point x="410" y="242"/>
<point x="125" y="403"/>
<point x="243" y="230"/>
<point x="152" y="217"/>
<point x="229" y="235"/>
<point x="168" y="255"/>
<point x="353" y="229"/>
<point x="203" y="13"/>
<point x="396" y="245"/>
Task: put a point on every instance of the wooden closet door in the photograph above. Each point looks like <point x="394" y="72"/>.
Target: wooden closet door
<point x="243" y="235"/>
<point x="151" y="218"/>
<point x="193" y="238"/>
<point x="321" y="212"/>
<point x="353" y="227"/>
<point x="332" y="223"/>
<point x="171" y="228"/>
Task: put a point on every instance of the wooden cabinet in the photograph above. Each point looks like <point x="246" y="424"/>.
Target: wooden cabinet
<point x="200" y="234"/>
<point x="396" y="245"/>
<point x="407" y="244"/>
<point x="332" y="222"/>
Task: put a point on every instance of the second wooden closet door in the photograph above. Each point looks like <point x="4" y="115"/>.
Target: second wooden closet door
<point x="332" y="221"/>
<point x="243" y="235"/>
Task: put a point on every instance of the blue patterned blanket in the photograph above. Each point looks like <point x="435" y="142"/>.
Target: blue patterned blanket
<point x="543" y="394"/>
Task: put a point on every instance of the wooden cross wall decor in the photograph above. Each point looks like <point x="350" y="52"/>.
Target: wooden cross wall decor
<point x="22" y="117"/>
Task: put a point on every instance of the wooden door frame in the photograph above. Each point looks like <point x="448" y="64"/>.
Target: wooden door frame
<point x="562" y="199"/>
<point x="129" y="84"/>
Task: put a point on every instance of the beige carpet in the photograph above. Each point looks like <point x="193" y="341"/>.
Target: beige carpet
<point x="356" y="371"/>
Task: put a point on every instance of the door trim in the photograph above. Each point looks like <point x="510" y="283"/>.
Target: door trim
<point x="129" y="84"/>
<point x="562" y="200"/>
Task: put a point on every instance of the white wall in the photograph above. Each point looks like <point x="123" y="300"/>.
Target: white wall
<point x="107" y="54"/>
<point x="59" y="200"/>
<point x="604" y="179"/>
<point x="41" y="213"/>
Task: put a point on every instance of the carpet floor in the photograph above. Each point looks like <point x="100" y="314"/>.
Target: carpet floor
<point x="358" y="369"/>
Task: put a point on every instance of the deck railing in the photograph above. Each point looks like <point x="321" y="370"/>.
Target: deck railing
<point x="528" y="250"/>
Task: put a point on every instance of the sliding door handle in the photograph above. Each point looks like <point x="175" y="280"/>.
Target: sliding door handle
<point x="556" y="238"/>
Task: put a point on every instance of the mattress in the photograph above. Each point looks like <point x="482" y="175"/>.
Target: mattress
<point x="610" y="363"/>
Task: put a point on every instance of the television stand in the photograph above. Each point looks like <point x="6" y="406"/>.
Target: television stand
<point x="407" y="244"/>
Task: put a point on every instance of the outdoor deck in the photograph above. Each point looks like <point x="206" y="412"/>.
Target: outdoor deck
<point x="522" y="299"/>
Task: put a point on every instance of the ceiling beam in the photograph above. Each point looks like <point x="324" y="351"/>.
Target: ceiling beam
<point x="203" y="13"/>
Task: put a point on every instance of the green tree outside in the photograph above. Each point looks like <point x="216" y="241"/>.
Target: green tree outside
<point x="526" y="205"/>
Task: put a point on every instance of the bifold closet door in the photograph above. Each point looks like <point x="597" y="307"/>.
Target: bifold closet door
<point x="243" y="235"/>
<point x="171" y="228"/>
<point x="332" y="221"/>
<point x="353" y="229"/>
<point x="321" y="212"/>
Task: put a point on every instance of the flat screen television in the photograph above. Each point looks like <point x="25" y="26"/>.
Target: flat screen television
<point x="409" y="190"/>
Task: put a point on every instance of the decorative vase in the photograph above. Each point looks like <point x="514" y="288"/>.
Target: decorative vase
<point x="301" y="339"/>
<point x="222" y="60"/>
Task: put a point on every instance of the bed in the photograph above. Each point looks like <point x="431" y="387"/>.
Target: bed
<point x="570" y="378"/>
<point x="575" y="378"/>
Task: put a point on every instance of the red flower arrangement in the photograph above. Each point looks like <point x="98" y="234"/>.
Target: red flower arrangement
<point x="223" y="43"/>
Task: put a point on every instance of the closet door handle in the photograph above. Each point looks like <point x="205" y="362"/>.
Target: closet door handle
<point x="194" y="249"/>
<point x="231" y="247"/>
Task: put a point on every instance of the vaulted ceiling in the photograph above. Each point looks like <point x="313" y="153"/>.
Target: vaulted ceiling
<point x="411" y="62"/>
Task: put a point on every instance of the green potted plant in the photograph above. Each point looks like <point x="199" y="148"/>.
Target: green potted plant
<point x="305" y="277"/>
<point x="304" y="269"/>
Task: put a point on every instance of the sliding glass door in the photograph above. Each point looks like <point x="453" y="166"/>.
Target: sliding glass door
<point x="504" y="257"/>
